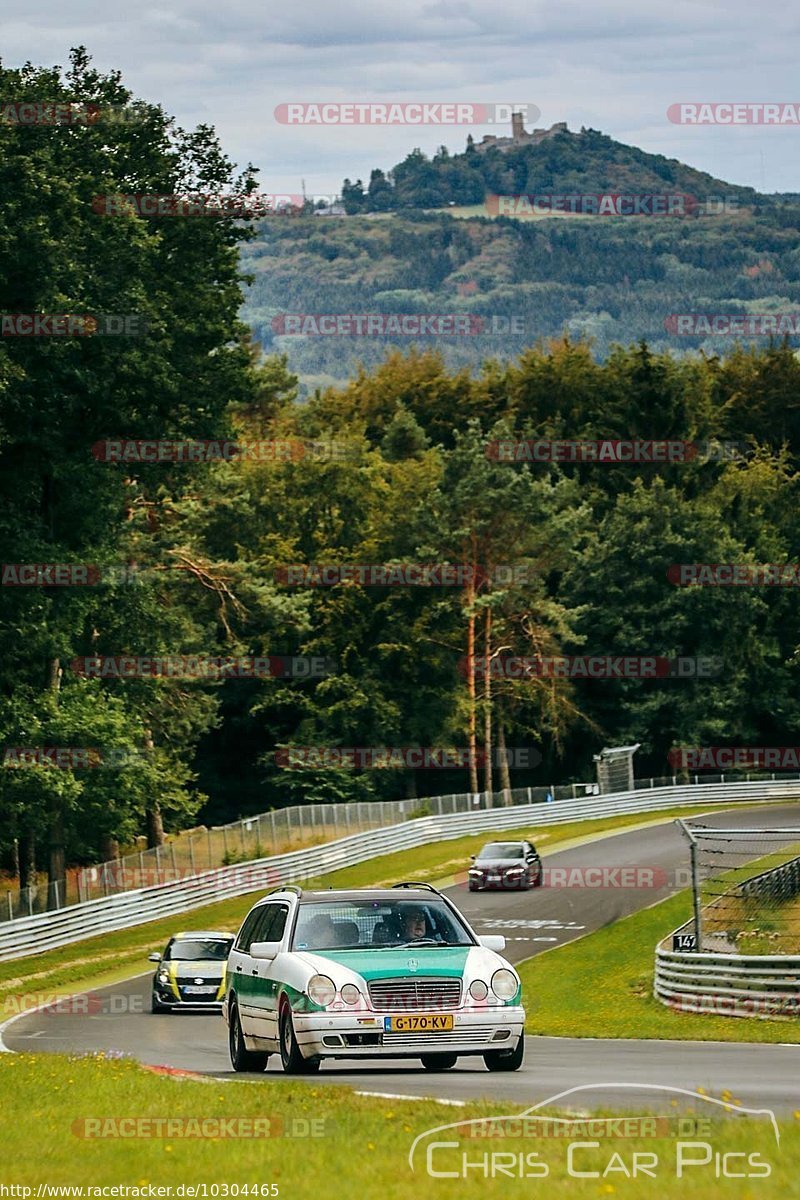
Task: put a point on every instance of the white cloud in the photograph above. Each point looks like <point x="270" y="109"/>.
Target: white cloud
<point x="614" y="66"/>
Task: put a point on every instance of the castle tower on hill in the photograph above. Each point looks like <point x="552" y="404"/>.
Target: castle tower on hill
<point x="519" y="136"/>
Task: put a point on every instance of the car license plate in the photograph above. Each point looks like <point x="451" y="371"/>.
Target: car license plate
<point x="419" y="1023"/>
<point x="193" y="990"/>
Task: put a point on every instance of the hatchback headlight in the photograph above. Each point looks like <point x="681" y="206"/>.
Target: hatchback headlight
<point x="351" y="994"/>
<point x="504" y="984"/>
<point x="163" y="977"/>
<point x="322" y="990"/>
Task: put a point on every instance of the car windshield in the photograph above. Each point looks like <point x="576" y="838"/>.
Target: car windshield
<point x="502" y="850"/>
<point x="378" y="924"/>
<point x="191" y="950"/>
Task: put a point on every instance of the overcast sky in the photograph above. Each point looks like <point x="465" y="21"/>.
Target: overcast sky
<point x="611" y="66"/>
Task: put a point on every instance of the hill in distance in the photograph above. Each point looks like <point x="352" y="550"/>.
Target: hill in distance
<point x="421" y="240"/>
<point x="588" y="162"/>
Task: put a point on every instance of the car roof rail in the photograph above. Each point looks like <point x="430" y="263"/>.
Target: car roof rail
<point x="416" y="883"/>
<point x="286" y="887"/>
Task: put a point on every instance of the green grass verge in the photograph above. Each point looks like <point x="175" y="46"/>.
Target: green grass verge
<point x="113" y="956"/>
<point x="360" y="1149"/>
<point x="601" y="986"/>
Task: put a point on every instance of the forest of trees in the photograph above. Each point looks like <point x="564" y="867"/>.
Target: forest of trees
<point x="399" y="473"/>
<point x="611" y="281"/>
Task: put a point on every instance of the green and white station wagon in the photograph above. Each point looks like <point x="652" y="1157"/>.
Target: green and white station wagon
<point x="373" y="973"/>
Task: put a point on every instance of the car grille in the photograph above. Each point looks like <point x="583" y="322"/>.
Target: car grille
<point x="214" y="984"/>
<point x="411" y="995"/>
<point x="452" y="1037"/>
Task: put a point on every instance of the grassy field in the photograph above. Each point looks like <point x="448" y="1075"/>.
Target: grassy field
<point x="67" y="1121"/>
<point x="565" y="998"/>
<point x="114" y="956"/>
<point x="464" y="212"/>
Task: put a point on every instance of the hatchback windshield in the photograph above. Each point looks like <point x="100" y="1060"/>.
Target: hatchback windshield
<point x="189" y="950"/>
<point x="502" y="850"/>
<point x="378" y="924"/>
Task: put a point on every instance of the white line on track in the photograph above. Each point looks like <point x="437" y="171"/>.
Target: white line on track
<point x="401" y="1096"/>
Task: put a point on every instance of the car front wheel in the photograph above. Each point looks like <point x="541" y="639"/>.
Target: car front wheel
<point x="291" y="1058"/>
<point x="439" y="1062"/>
<point x="506" y="1060"/>
<point x="242" y="1059"/>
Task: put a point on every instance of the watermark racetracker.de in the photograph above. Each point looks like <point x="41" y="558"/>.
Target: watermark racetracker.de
<point x="60" y="325"/>
<point x="591" y="666"/>
<point x="735" y="758"/>
<point x="214" y="450"/>
<point x="734" y="574"/>
<point x="613" y="451"/>
<point x="391" y="324"/>
<point x="738" y="112"/>
<point x="408" y="112"/>
<point x="733" y="325"/>
<point x="609" y="204"/>
<point x="192" y="666"/>
<point x="420" y="574"/>
<point x="418" y="758"/>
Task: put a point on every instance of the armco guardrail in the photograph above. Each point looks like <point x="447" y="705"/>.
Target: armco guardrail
<point x="779" y="883"/>
<point x="736" y="985"/>
<point x="46" y="931"/>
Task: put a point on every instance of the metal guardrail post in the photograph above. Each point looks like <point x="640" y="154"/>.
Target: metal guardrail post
<point x="696" y="894"/>
<point x="695" y="881"/>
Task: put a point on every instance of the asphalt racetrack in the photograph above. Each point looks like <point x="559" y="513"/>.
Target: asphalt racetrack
<point x="119" y="1020"/>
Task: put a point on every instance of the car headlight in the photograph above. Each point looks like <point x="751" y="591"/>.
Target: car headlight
<point x="504" y="984"/>
<point x="163" y="977"/>
<point x="322" y="990"/>
<point x="478" y="990"/>
<point x="351" y="994"/>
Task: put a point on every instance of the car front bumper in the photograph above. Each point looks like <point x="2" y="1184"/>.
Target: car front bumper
<point x="359" y="1035"/>
<point x="498" y="883"/>
<point x="166" y="996"/>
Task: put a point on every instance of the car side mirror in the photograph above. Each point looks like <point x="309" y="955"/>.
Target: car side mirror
<point x="472" y="857"/>
<point x="154" y="957"/>
<point x="492" y="941"/>
<point x="265" y="951"/>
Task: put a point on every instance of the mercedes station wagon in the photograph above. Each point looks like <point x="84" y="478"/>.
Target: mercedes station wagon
<point x="374" y="973"/>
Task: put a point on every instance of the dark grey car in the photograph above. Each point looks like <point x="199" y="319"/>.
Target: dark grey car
<point x="508" y="866"/>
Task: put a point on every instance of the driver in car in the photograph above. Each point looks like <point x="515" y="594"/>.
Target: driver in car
<point x="415" y="925"/>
